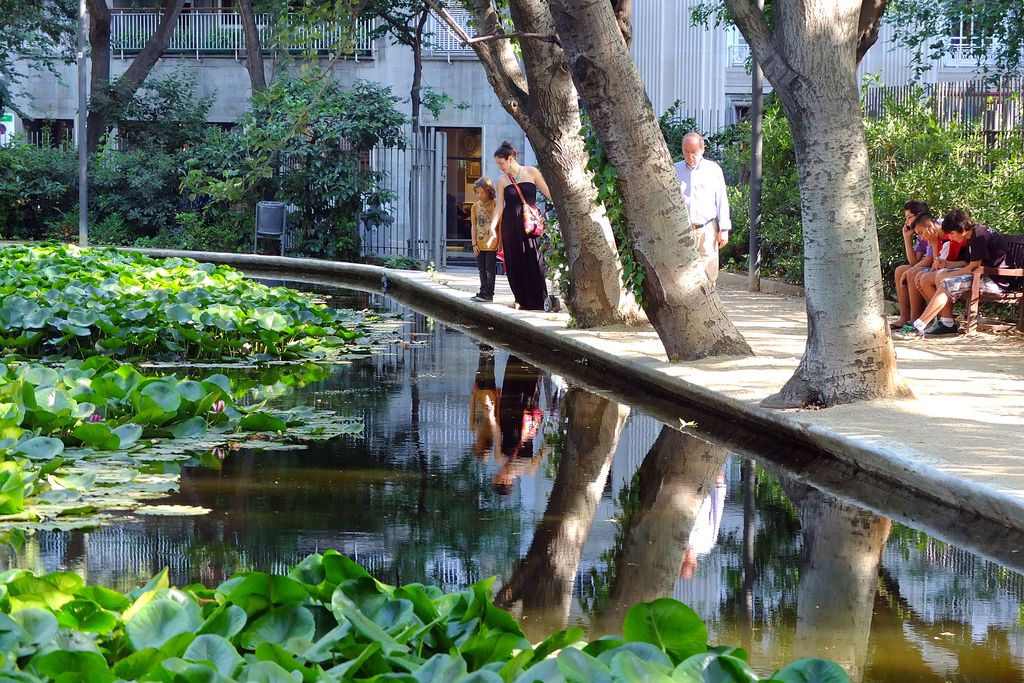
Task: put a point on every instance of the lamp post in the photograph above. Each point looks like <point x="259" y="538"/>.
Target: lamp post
<point x="83" y="145"/>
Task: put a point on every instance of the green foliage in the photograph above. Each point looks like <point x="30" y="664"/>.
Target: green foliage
<point x="302" y="143"/>
<point x="38" y="31"/>
<point x="329" y="620"/>
<point x="138" y="186"/>
<point x="913" y="154"/>
<point x="163" y="114"/>
<point x="66" y="433"/>
<point x="37" y="185"/>
<point x="59" y="299"/>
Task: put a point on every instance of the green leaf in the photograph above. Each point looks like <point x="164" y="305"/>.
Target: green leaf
<point x="98" y="435"/>
<point x="269" y="672"/>
<point x="40" y="448"/>
<point x="280" y="626"/>
<point x="811" y="671"/>
<point x="626" y="666"/>
<point x="262" y="422"/>
<point x="157" y="623"/>
<point x="668" y="624"/>
<point x="38" y="626"/>
<point x="164" y="394"/>
<point x="225" y="621"/>
<point x="578" y="667"/>
<point x="64" y="665"/>
<point x="127" y="434"/>
<point x="217" y="651"/>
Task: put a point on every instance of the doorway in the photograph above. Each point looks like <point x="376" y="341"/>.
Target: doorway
<point x="464" y="167"/>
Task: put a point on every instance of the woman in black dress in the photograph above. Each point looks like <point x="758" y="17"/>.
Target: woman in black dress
<point x="524" y="265"/>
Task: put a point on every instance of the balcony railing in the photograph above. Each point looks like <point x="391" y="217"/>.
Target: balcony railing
<point x="211" y="33"/>
<point x="443" y="42"/>
<point x="737" y="48"/>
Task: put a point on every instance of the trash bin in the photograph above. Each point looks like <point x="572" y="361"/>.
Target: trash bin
<point x="271" y="222"/>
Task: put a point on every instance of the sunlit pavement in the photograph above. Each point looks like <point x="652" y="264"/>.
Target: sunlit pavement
<point x="967" y="419"/>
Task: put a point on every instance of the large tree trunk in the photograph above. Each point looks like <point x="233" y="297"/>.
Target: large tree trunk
<point x="541" y="585"/>
<point x="143" y="63"/>
<point x="253" y="47"/>
<point x="99" y="43"/>
<point x="849" y="355"/>
<point x="679" y="298"/>
<point x="543" y="102"/>
<point x="674" y="478"/>
<point x="838" y="577"/>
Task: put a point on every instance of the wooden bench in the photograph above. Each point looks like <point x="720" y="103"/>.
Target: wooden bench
<point x="1015" y="253"/>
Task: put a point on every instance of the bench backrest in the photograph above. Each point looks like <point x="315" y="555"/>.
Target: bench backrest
<point x="1015" y="251"/>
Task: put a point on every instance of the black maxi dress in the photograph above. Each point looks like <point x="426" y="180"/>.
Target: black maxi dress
<point x="524" y="265"/>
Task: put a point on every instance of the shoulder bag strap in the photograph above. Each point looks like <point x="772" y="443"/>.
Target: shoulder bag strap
<point x="521" y="197"/>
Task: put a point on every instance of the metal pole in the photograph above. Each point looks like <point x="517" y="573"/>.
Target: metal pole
<point x="756" y="135"/>
<point x="83" y="145"/>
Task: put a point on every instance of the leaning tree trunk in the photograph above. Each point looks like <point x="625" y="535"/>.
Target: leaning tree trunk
<point x="253" y="47"/>
<point x="842" y="551"/>
<point x="674" y="478"/>
<point x="810" y="54"/>
<point x="154" y="48"/>
<point x="542" y="583"/>
<point x="678" y="297"/>
<point x="596" y="295"/>
<point x="99" y="60"/>
<point x="543" y="102"/>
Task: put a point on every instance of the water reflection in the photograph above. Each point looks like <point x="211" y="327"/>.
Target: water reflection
<point x="473" y="463"/>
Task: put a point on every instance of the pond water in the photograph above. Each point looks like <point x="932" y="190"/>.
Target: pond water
<point x="474" y="463"/>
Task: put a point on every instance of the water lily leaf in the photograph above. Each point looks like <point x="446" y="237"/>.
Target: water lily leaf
<point x="190" y="428"/>
<point x="128" y="434"/>
<point x="41" y="376"/>
<point x="262" y="422"/>
<point x="626" y="666"/>
<point x="171" y="510"/>
<point x="216" y="650"/>
<point x="281" y="625"/>
<point x="157" y="623"/>
<point x="226" y="621"/>
<point x="38" y="625"/>
<point x="70" y="666"/>
<point x="807" y="670"/>
<point x="85" y="615"/>
<point x="164" y="394"/>
<point x="668" y="624"/>
<point x="269" y="672"/>
<point x="578" y="667"/>
<point x="98" y="435"/>
<point x="40" y="448"/>
<point x="270" y="319"/>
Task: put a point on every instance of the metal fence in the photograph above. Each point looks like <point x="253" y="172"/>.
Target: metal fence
<point x="416" y="176"/>
<point x="207" y="32"/>
<point x="996" y="106"/>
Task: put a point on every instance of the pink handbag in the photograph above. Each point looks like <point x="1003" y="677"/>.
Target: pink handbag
<point x="533" y="219"/>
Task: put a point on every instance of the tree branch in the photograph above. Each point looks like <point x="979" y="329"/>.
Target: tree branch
<point x="624" y="16"/>
<point x="870" y="22"/>
<point x="506" y="36"/>
<point x="752" y="24"/>
<point x="496" y="56"/>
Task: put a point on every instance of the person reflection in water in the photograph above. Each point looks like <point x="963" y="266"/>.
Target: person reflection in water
<point x="704" y="534"/>
<point x="483" y="406"/>
<point x="519" y="420"/>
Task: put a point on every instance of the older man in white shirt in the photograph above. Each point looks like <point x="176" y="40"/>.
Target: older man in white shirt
<point x="703" y="186"/>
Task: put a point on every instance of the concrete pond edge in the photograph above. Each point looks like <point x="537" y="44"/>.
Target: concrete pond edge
<point x="674" y="400"/>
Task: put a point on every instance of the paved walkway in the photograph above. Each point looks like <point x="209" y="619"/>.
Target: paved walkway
<point x="967" y="419"/>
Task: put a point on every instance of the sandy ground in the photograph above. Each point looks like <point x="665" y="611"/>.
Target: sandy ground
<point x="967" y="417"/>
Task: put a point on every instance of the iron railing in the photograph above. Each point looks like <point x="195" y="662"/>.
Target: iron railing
<point x="212" y="32"/>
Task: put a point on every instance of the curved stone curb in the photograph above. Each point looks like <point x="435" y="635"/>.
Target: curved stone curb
<point x="883" y="479"/>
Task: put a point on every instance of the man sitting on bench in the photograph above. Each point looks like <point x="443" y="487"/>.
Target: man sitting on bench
<point x="985" y="248"/>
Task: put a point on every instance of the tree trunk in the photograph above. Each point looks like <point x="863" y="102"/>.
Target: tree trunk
<point x="849" y="355"/>
<point x="143" y="63"/>
<point x="415" y="96"/>
<point x="253" y="47"/>
<point x="542" y="583"/>
<point x="838" y="577"/>
<point x="679" y="298"/>
<point x="673" y="479"/>
<point x="543" y="102"/>
<point x="99" y="43"/>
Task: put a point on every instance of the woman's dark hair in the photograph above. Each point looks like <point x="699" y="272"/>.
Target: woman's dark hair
<point x="506" y="151"/>
<point x="916" y="207"/>
<point x="957" y="220"/>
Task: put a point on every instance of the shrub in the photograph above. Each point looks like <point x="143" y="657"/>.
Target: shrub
<point x="37" y="185"/>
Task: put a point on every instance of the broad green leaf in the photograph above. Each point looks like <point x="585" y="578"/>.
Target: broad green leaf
<point x="226" y="621"/>
<point x="262" y="422"/>
<point x="38" y="626"/>
<point x="157" y="623"/>
<point x="811" y="671"/>
<point x="216" y="650"/>
<point x="668" y="624"/>
<point x="269" y="672"/>
<point x="578" y="667"/>
<point x="40" y="448"/>
<point x="626" y="666"/>
<point x="280" y="626"/>
<point x="65" y="665"/>
<point x="98" y="435"/>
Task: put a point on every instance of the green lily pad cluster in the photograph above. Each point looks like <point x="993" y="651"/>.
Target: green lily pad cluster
<point x="329" y="620"/>
<point x="81" y="440"/>
<point x="61" y="300"/>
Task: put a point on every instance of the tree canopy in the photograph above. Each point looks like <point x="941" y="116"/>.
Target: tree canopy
<point x="40" y="30"/>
